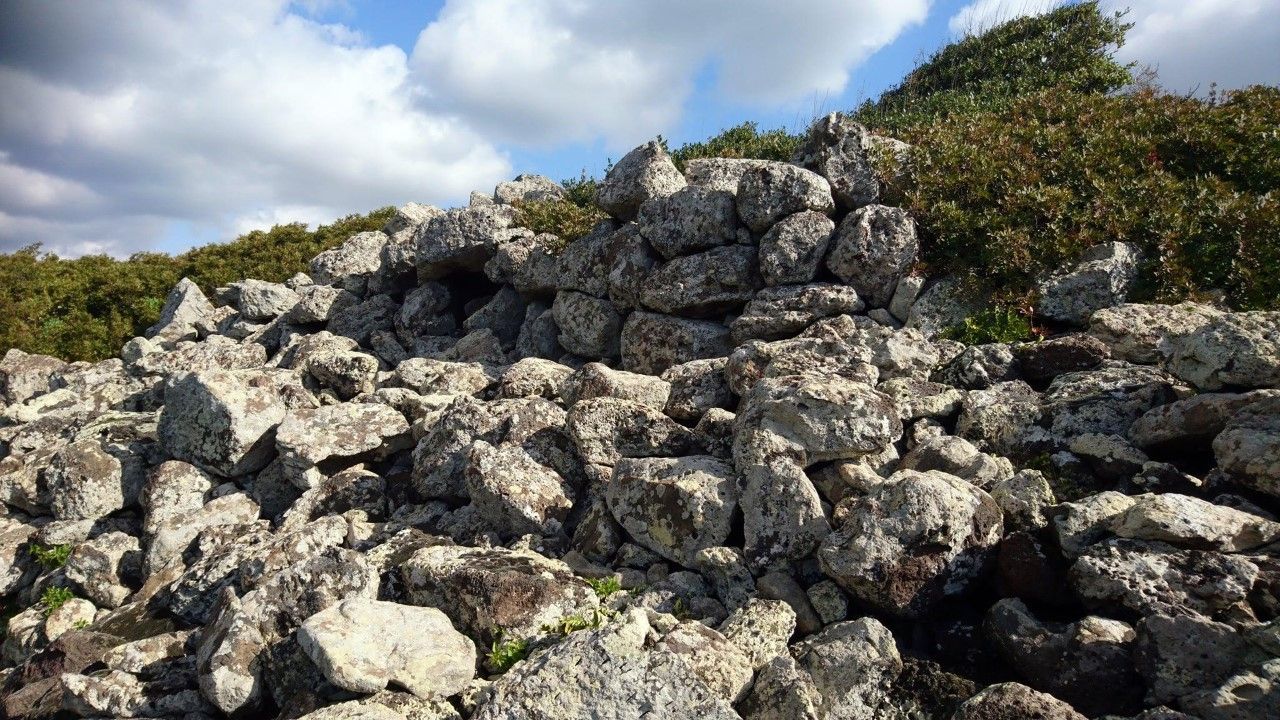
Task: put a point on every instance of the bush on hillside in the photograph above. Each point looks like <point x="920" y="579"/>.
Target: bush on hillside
<point x="1070" y="49"/>
<point x="743" y="141"/>
<point x="1005" y="196"/>
<point x="86" y="308"/>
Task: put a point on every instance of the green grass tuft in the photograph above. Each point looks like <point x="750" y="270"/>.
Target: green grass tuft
<point x="996" y="325"/>
<point x="55" y="597"/>
<point x="51" y="557"/>
<point x="505" y="653"/>
<point x="604" y="587"/>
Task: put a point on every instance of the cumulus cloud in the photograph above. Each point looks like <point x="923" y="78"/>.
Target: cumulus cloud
<point x="986" y="14"/>
<point x="1191" y="43"/>
<point x="124" y="118"/>
<point x="544" y="71"/>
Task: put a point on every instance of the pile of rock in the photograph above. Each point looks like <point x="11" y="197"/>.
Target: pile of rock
<point x="711" y="460"/>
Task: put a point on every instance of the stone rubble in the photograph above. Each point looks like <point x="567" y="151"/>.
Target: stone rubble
<point x="714" y="459"/>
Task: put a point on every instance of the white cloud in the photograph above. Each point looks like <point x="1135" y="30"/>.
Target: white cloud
<point x="986" y="14"/>
<point x="1193" y="43"/>
<point x="132" y="116"/>
<point x="544" y="71"/>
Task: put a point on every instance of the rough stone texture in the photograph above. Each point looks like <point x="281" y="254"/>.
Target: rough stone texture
<point x="488" y="592"/>
<point x="919" y="539"/>
<point x="1103" y="278"/>
<point x="607" y="429"/>
<point x="1180" y="655"/>
<point x="642" y="174"/>
<point x="461" y="239"/>
<point x="793" y="249"/>
<point x="1231" y="350"/>
<point x="185" y="310"/>
<point x="1041" y="362"/>
<point x="782" y="312"/>
<point x="527" y="188"/>
<point x="1148" y="333"/>
<point x="871" y="251"/>
<point x="612" y="673"/>
<point x="688" y="220"/>
<point x="328" y="438"/>
<point x="651" y="342"/>
<point x="1193" y="523"/>
<point x="25" y="375"/>
<point x="770" y="192"/>
<point x="1154" y="577"/>
<point x="589" y="326"/>
<point x="361" y="645"/>
<point x="705" y="284"/>
<point x="674" y="506"/>
<point x="843" y="152"/>
<point x="719" y="173"/>
<point x="514" y="493"/>
<point x="696" y="387"/>
<point x="1248" y="448"/>
<point x="222" y="422"/>
<point x="1014" y="701"/>
<point x="351" y="264"/>
<point x="1250" y="693"/>
<point x="958" y="457"/>
<point x="595" y="380"/>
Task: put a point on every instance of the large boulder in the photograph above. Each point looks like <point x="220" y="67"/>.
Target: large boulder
<point x="362" y="645"/>
<point x="793" y="249"/>
<point x="221" y="421"/>
<point x="185" y="311"/>
<point x="1248" y="448"/>
<point x="353" y="264"/>
<point x="689" y="220"/>
<point x="1148" y="333"/>
<point x="1103" y="278"/>
<point x="652" y="342"/>
<point x="461" y="239"/>
<point x="495" y="592"/>
<point x="607" y="429"/>
<point x="915" y="541"/>
<point x="1233" y="350"/>
<point x="316" y="442"/>
<point x="674" y="506"/>
<point x="589" y="326"/>
<point x="25" y="375"/>
<point x="770" y="192"/>
<point x="705" y="284"/>
<point x="843" y="152"/>
<point x="514" y="493"/>
<point x="613" y="673"/>
<point x="871" y="251"/>
<point x="1014" y="701"/>
<point x="781" y="312"/>
<point x="1190" y="522"/>
<point x="642" y="174"/>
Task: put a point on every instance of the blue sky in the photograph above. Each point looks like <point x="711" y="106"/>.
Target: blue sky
<point x="135" y="125"/>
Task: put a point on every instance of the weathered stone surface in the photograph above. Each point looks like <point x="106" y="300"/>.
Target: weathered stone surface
<point x="1103" y="278"/>
<point x="441" y="377"/>
<point x="958" y="457"/>
<point x="495" y="591"/>
<point x="259" y="300"/>
<point x="173" y="535"/>
<point x="585" y="264"/>
<point x="704" y="284"/>
<point x="1251" y="693"/>
<point x="1182" y="655"/>
<point x="1148" y="333"/>
<point x="611" y="673"/>
<point x="642" y="174"/>
<point x="589" y="326"/>
<point x="1231" y="350"/>
<point x="781" y="312"/>
<point x="852" y="665"/>
<point x="843" y="152"/>
<point x="772" y="191"/>
<point x="1193" y="523"/>
<point x="1024" y="499"/>
<point x="503" y="315"/>
<point x="979" y="367"/>
<point x="362" y="645"/>
<point x="696" y="387"/>
<point x="1043" y="361"/>
<point x="718" y="663"/>
<point x="608" y="429"/>
<point x="106" y="569"/>
<point x="351" y="265"/>
<point x="651" y="342"/>
<point x="1154" y="577"/>
<point x="24" y="375"/>
<point x="346" y="373"/>
<point x="871" y="251"/>
<point x="674" y="506"/>
<point x="527" y="188"/>
<point x="719" y="173"/>
<point x="793" y="249"/>
<point x="529" y="263"/>
<point x="185" y="310"/>
<point x="595" y="380"/>
<point x="461" y="239"/>
<point x="917" y="540"/>
<point x="1071" y="661"/>
<point x="1014" y="701"/>
<point x="1193" y="421"/>
<point x="533" y="377"/>
<point x="221" y="421"/>
<point x="313" y="442"/>
<point x="1248" y="448"/>
<point x="688" y="220"/>
<point x="514" y="493"/>
<point x="86" y="482"/>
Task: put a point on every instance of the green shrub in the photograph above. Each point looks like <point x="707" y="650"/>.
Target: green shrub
<point x="742" y="141"/>
<point x="505" y="653"/>
<point x="604" y="587"/>
<point x="573" y="623"/>
<point x="51" y="557"/>
<point x="1070" y="49"/>
<point x="995" y="325"/>
<point x="1005" y="196"/>
<point x="565" y="219"/>
<point x="54" y="597"/>
<point x="87" y="307"/>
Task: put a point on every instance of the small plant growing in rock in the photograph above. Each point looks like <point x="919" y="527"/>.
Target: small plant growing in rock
<point x="55" y="597"/>
<point x="565" y="219"/>
<point x="573" y="623"/>
<point x="81" y="624"/>
<point x="50" y="557"/>
<point x="681" y="609"/>
<point x="996" y="325"/>
<point x="505" y="653"/>
<point x="604" y="587"/>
